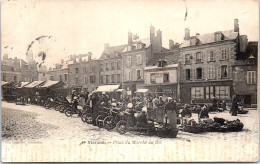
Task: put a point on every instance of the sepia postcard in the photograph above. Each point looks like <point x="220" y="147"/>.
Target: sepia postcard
<point x="129" y="81"/>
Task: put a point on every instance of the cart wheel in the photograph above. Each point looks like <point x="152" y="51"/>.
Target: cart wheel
<point x="109" y="122"/>
<point x="83" y="117"/>
<point x="46" y="106"/>
<point x="99" y="121"/>
<point x="122" y="127"/>
<point x="56" y="107"/>
<point x="62" y="108"/>
<point x="68" y="112"/>
<point x="88" y="118"/>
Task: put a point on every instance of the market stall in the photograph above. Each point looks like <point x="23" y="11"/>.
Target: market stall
<point x="8" y="90"/>
<point x="32" y="91"/>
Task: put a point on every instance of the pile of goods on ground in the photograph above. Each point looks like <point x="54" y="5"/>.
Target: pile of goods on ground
<point x="216" y="125"/>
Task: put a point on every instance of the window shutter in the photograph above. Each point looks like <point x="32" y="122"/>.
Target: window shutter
<point x="214" y="55"/>
<point x="229" y="71"/>
<point x="219" y="72"/>
<point x="255" y="76"/>
<point x="191" y="74"/>
<point x="202" y="57"/>
<point x="194" y="58"/>
<point x="209" y="53"/>
<point x="213" y="72"/>
<point x="232" y="52"/>
<point x="227" y="51"/>
<point x="184" y="74"/>
<point x="202" y="73"/>
<point x="194" y="74"/>
<point x="247" y="77"/>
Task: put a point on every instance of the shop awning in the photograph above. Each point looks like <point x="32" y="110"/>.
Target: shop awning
<point x="22" y="84"/>
<point x="120" y="90"/>
<point x="49" y="83"/>
<point x="3" y="83"/>
<point x="142" y="91"/>
<point x="34" y="84"/>
<point x="107" y="88"/>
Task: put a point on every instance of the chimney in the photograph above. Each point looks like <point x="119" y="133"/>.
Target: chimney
<point x="62" y="61"/>
<point x="106" y="45"/>
<point x="152" y="33"/>
<point x="187" y="34"/>
<point x="89" y="56"/>
<point x="171" y="44"/>
<point x="236" y="25"/>
<point x="130" y="38"/>
<point x="5" y="56"/>
<point x="80" y="58"/>
<point x="159" y="35"/>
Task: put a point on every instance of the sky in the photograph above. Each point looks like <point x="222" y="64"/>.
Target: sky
<point x="82" y="26"/>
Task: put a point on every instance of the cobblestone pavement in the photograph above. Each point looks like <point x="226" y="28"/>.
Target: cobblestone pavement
<point x="21" y="125"/>
<point x="60" y="137"/>
<point x="32" y="122"/>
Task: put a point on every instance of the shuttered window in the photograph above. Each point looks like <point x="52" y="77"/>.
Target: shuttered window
<point x="211" y="72"/>
<point x="251" y="77"/>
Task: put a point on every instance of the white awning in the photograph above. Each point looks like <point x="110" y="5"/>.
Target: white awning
<point x="107" y="88"/>
<point x="33" y="84"/>
<point x="120" y="90"/>
<point x="49" y="83"/>
<point x="3" y="83"/>
<point x="23" y="84"/>
<point x="142" y="90"/>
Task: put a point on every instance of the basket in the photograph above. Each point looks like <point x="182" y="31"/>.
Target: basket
<point x="193" y="129"/>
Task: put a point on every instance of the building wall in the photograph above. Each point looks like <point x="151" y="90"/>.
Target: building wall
<point x="242" y="86"/>
<point x="87" y="76"/>
<point x="134" y="66"/>
<point x="29" y="72"/>
<point x="159" y="76"/>
<point x="11" y="76"/>
<point x="59" y="75"/>
<point x="42" y="76"/>
<point x="206" y="63"/>
<point x="108" y="71"/>
<point x="212" y="74"/>
<point x="168" y="88"/>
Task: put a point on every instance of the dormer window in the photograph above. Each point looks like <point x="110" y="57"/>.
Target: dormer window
<point x="129" y="48"/>
<point x="139" y="46"/>
<point x="218" y="36"/>
<point x="193" y="41"/>
<point x="162" y="63"/>
<point x="251" y="60"/>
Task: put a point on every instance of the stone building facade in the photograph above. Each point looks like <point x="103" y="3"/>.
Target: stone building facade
<point x="18" y="70"/>
<point x="84" y="74"/>
<point x="245" y="75"/>
<point x="136" y="56"/>
<point x="162" y="79"/>
<point x="59" y="74"/>
<point x="206" y="64"/>
<point x="111" y="65"/>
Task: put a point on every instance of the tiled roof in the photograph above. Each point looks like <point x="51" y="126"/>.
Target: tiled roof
<point x="169" y="56"/>
<point x="210" y="38"/>
<point x="111" y="51"/>
<point x="145" y="41"/>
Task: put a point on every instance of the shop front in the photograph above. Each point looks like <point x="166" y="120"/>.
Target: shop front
<point x="203" y="92"/>
<point x="169" y="90"/>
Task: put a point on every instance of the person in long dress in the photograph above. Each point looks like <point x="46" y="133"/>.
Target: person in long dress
<point x="170" y="113"/>
<point x="234" y="107"/>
